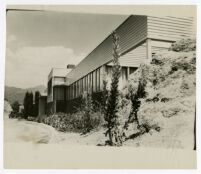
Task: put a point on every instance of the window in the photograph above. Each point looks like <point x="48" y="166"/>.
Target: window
<point x="132" y="69"/>
<point x="94" y="81"/>
<point x="91" y="84"/>
<point x="109" y="71"/>
<point x="124" y="73"/>
<point x="83" y="81"/>
<point x="77" y="89"/>
<point x="98" y="79"/>
<point x="74" y="90"/>
<point x="71" y="91"/>
<point x="82" y="85"/>
<point x="89" y="81"/>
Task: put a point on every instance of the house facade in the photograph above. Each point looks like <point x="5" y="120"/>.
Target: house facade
<point x="140" y="38"/>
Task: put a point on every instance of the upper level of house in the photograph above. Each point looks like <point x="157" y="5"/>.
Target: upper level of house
<point x="133" y="33"/>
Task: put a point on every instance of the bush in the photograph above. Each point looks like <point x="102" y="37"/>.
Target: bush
<point x="15" y="115"/>
<point x="15" y="106"/>
<point x="184" y="45"/>
<point x="74" y="122"/>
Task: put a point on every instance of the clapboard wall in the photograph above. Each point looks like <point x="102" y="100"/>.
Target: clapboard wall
<point x="134" y="57"/>
<point x="169" y="28"/>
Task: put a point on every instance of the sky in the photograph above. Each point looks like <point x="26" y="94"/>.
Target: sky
<point x="40" y="40"/>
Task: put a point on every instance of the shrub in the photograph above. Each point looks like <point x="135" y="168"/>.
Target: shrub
<point x="36" y="105"/>
<point x="28" y="104"/>
<point x="15" y="111"/>
<point x="15" y="115"/>
<point x="74" y="122"/>
<point x="184" y="45"/>
<point x="15" y="106"/>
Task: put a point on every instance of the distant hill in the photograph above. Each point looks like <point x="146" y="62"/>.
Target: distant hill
<point x="17" y="94"/>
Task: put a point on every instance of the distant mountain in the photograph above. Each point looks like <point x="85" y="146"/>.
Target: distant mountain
<point x="17" y="94"/>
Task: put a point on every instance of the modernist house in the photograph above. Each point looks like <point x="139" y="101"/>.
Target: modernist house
<point x="140" y="38"/>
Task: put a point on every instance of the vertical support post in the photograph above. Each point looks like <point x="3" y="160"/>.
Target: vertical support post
<point x="148" y="49"/>
<point x="55" y="107"/>
<point x="128" y="72"/>
<point x="54" y="100"/>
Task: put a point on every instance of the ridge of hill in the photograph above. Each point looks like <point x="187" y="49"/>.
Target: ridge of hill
<point x="13" y="94"/>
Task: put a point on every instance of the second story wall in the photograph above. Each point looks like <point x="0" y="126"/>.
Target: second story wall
<point x="170" y="28"/>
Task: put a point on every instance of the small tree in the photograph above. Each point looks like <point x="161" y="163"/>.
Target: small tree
<point x="136" y="94"/>
<point x="104" y="98"/>
<point x="111" y="116"/>
<point x="28" y="104"/>
<point x="36" y="105"/>
<point x="15" y="106"/>
<point x="135" y="99"/>
<point x="31" y="108"/>
<point x="87" y="109"/>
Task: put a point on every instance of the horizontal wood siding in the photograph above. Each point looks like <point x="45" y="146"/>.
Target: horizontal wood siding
<point x="133" y="58"/>
<point x="138" y="55"/>
<point x="159" y="46"/>
<point x="131" y="32"/>
<point x="170" y="28"/>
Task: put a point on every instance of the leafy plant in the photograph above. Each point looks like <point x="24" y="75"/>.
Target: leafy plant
<point x="15" y="106"/>
<point x="111" y="110"/>
<point x="28" y="104"/>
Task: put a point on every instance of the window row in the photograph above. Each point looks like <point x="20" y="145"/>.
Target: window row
<point x="89" y="83"/>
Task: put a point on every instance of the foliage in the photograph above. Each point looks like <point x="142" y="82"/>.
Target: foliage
<point x="184" y="45"/>
<point x="111" y="114"/>
<point x="74" y="122"/>
<point x="83" y="120"/>
<point x="15" y="115"/>
<point x="15" y="110"/>
<point x="15" y="106"/>
<point x="135" y="94"/>
<point x="104" y="98"/>
<point x="87" y="110"/>
<point x="36" y="104"/>
<point x="28" y="104"/>
<point x="7" y="107"/>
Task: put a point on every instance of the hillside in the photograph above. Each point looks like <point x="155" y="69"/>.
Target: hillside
<point x="169" y="101"/>
<point x="17" y="94"/>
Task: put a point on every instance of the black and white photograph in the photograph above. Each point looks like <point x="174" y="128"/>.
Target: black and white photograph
<point x="104" y="81"/>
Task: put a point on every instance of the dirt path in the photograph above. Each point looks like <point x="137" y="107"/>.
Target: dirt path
<point x="22" y="131"/>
